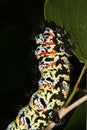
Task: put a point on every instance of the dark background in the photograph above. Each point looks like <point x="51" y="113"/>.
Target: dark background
<point x="18" y="66"/>
<point x="17" y="18"/>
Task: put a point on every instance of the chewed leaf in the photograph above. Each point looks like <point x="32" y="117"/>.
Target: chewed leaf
<point x="72" y="15"/>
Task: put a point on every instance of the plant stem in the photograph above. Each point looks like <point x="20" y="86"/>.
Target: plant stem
<point x="76" y="87"/>
<point x="63" y="111"/>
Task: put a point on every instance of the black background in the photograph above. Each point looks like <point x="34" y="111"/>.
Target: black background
<point x="17" y="18"/>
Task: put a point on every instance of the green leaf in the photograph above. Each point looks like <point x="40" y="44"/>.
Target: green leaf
<point x="72" y="15"/>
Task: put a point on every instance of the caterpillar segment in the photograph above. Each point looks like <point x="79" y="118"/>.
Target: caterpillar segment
<point x="52" y="53"/>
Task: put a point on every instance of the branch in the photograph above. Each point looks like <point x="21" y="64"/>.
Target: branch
<point x="63" y="111"/>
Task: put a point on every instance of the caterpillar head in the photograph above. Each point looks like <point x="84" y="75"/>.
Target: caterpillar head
<point x="53" y="35"/>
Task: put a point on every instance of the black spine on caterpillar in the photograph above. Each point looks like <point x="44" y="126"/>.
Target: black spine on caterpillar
<point x="52" y="52"/>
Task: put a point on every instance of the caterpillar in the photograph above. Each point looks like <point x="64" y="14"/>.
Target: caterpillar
<point x="52" y="52"/>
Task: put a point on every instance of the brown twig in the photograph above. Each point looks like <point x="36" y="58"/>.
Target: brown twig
<point x="63" y="111"/>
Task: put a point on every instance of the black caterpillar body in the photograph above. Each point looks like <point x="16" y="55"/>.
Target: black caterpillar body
<point x="52" y="52"/>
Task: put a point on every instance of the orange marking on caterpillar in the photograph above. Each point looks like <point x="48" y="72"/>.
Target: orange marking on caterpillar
<point x="53" y="63"/>
<point x="47" y="65"/>
<point x="51" y="34"/>
<point x="68" y="68"/>
<point x="43" y="53"/>
<point x="48" y="43"/>
<point x="43" y="110"/>
<point x="21" y="123"/>
<point x="52" y="86"/>
<point x="36" y="105"/>
<point x="53" y="52"/>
